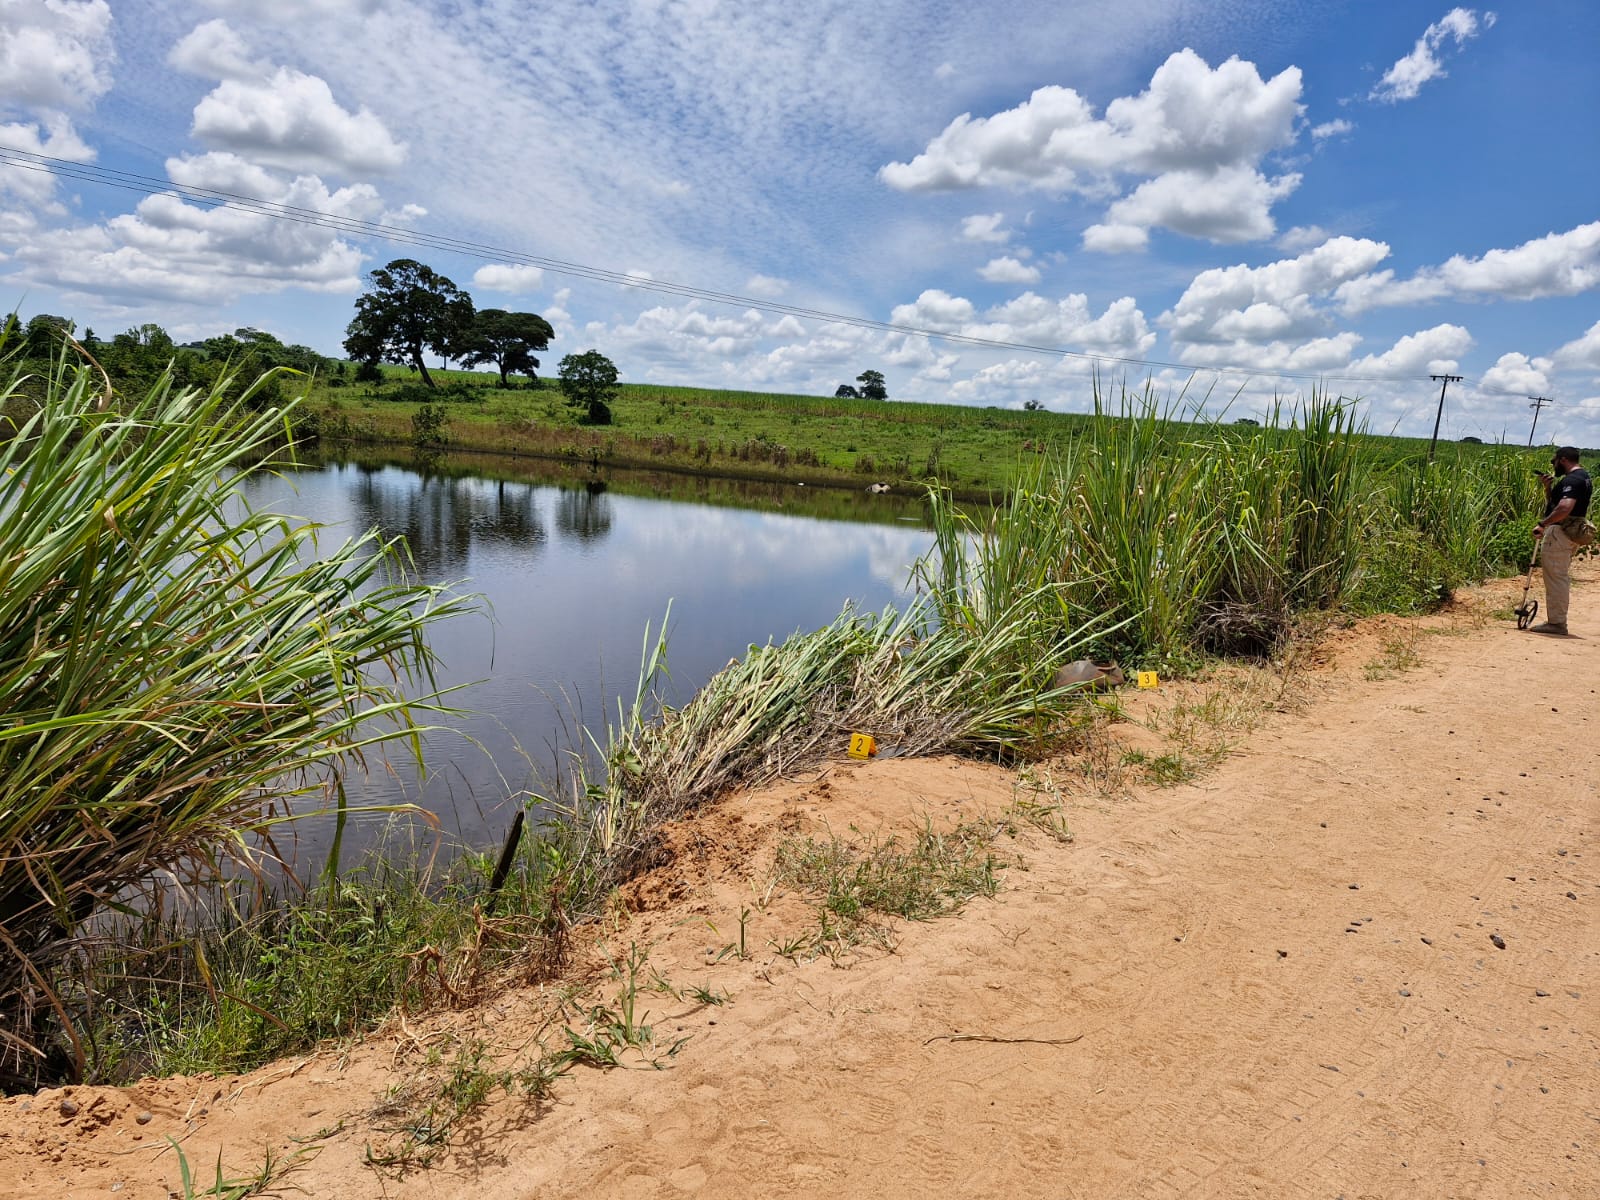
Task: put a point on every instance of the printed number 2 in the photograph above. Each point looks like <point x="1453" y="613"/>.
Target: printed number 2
<point x="862" y="745"/>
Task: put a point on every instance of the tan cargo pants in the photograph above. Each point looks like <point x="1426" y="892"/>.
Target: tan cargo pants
<point x="1556" y="559"/>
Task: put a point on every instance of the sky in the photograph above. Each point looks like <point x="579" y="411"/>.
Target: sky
<point x="1230" y="200"/>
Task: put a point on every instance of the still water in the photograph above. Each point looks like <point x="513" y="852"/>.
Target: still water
<point x="571" y="571"/>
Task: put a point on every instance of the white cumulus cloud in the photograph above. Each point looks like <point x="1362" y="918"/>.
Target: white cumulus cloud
<point x="54" y="54"/>
<point x="985" y="227"/>
<point x="215" y="51"/>
<point x="1514" y="372"/>
<point x="1221" y="204"/>
<point x="1302" y="237"/>
<point x="1068" y="323"/>
<point x="516" y="279"/>
<point x="290" y="119"/>
<point x="1196" y="136"/>
<point x="1115" y="239"/>
<point x="55" y="59"/>
<point x="55" y="137"/>
<point x="171" y="250"/>
<point x="1558" y="264"/>
<point x="1405" y="79"/>
<point x="1006" y="269"/>
<point x="1583" y="351"/>
<point x="1434" y="351"/>
<point x="1227" y="304"/>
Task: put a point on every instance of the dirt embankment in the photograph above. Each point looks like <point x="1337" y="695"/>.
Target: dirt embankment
<point x="1359" y="958"/>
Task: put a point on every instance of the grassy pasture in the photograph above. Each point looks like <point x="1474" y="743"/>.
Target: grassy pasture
<point x="973" y="452"/>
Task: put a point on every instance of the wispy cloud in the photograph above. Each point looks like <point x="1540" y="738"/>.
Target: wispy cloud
<point x="1405" y="79"/>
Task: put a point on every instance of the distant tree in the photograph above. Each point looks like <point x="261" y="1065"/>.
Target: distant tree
<point x="1247" y="421"/>
<point x="846" y="392"/>
<point x="1033" y="405"/>
<point x="508" y="340"/>
<point x="872" y="385"/>
<point x="249" y="353"/>
<point x="410" y="308"/>
<point x="44" y="334"/>
<point x="262" y="351"/>
<point x="1476" y="441"/>
<point x="137" y="357"/>
<point x="148" y="336"/>
<point x="589" y="381"/>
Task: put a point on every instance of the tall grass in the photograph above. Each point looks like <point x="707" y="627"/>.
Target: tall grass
<point x="1186" y="537"/>
<point x="172" y="664"/>
<point x="918" y="684"/>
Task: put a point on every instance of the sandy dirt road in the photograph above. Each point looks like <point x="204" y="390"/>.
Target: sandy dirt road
<point x="1284" y="980"/>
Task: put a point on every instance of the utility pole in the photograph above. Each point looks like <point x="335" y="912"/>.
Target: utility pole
<point x="1444" y="381"/>
<point x="1538" y="403"/>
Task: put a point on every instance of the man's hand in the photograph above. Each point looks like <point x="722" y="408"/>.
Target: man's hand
<point x="1538" y="532"/>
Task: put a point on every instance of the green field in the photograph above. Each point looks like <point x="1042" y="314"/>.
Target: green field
<point x="974" y="452"/>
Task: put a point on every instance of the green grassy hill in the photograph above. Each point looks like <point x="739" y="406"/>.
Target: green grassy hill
<point x="738" y="434"/>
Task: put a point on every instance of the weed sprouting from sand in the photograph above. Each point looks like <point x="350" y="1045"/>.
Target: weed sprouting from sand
<point x="416" y="1120"/>
<point x="1037" y="800"/>
<point x="237" y="1187"/>
<point x="1397" y="654"/>
<point x="858" y="882"/>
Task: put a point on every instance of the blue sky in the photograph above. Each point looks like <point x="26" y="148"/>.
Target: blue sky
<point x="1361" y="192"/>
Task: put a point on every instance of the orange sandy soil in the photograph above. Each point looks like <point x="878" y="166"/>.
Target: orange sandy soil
<point x="1276" y="981"/>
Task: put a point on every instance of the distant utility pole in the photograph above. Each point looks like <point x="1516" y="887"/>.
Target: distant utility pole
<point x="1538" y="403"/>
<point x="1444" y="381"/>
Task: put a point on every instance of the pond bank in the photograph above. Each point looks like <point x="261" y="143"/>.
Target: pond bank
<point x="1193" y="971"/>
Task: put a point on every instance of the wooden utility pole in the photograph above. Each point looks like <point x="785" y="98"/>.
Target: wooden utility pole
<point x="1444" y="381"/>
<point x="1538" y="403"/>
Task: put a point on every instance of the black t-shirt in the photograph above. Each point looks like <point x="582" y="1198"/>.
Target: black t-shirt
<point x="1575" y="484"/>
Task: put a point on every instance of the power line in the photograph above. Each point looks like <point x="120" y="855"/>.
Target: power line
<point x="151" y="186"/>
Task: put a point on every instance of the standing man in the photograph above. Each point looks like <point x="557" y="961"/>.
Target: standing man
<point x="1566" y="504"/>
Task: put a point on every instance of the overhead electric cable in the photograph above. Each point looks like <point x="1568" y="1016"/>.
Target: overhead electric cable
<point x="152" y="186"/>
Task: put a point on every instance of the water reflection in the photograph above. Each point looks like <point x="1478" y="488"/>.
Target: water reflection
<point x="440" y="518"/>
<point x="584" y="512"/>
<point x="561" y="637"/>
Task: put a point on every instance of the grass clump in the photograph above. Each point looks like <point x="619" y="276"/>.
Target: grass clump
<point x="859" y="882"/>
<point x="176" y="669"/>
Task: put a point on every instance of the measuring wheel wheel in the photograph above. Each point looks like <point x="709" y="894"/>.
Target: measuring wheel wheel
<point x="1526" y="613"/>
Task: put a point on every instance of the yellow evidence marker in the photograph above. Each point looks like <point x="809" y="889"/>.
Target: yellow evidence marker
<point x="1149" y="679"/>
<point x="863" y="745"/>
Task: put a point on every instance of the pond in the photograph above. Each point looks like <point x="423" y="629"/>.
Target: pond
<point x="572" y="569"/>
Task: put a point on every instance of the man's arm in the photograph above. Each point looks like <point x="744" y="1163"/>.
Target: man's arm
<point x="1557" y="515"/>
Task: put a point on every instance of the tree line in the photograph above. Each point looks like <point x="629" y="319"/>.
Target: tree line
<point x="136" y="358"/>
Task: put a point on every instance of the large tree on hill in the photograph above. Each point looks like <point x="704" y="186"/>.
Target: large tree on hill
<point x="508" y="340"/>
<point x="408" y="309"/>
<point x="872" y="385"/>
